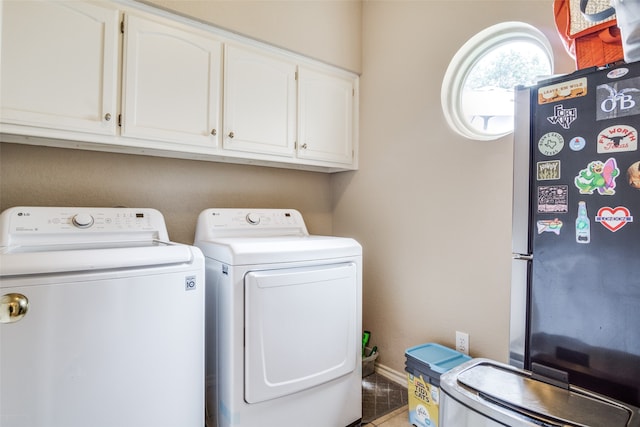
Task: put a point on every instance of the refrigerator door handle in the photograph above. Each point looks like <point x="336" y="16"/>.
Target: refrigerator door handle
<point x="523" y="257"/>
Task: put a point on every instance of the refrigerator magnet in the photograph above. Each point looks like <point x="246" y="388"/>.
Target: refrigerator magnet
<point x="561" y="91"/>
<point x="617" y="138"/>
<point x="583" y="224"/>
<point x="548" y="170"/>
<point x="598" y="176"/>
<point x="617" y="73"/>
<point x="618" y="99"/>
<point x="577" y="143"/>
<point x="633" y="175"/>
<point x="553" y="199"/>
<point x="549" y="226"/>
<point x="551" y="143"/>
<point x="563" y="116"/>
<point x="613" y="219"/>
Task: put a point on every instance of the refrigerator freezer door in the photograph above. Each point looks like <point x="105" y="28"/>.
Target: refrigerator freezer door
<point x="518" y="321"/>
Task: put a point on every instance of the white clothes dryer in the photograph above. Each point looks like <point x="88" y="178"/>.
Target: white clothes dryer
<point x="284" y="321"/>
<point x="101" y="320"/>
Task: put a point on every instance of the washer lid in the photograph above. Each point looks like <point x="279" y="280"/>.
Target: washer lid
<point x="20" y="261"/>
<point x="547" y="403"/>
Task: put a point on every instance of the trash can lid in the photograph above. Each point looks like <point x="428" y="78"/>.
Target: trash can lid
<point x="434" y="358"/>
<point x="528" y="398"/>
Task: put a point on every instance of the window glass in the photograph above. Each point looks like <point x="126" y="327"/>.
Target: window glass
<point x="477" y="91"/>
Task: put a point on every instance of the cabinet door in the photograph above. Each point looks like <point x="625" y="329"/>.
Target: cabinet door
<point x="171" y="85"/>
<point x="259" y="102"/>
<point x="325" y="118"/>
<point x="59" y="63"/>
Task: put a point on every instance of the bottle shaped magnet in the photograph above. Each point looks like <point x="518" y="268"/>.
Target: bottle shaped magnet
<point x="583" y="225"/>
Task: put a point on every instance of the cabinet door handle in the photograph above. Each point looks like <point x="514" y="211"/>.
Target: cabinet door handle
<point x="107" y="116"/>
<point x="231" y="134"/>
<point x="13" y="307"/>
<point x="304" y="146"/>
<point x="214" y="132"/>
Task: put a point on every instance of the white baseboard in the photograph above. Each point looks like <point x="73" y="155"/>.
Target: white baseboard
<point x="395" y="376"/>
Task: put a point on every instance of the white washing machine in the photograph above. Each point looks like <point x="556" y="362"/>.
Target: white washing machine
<point x="101" y="320"/>
<point x="284" y="321"/>
<point x="485" y="393"/>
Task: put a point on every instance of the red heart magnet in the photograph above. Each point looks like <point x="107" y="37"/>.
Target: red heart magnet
<point x="614" y="218"/>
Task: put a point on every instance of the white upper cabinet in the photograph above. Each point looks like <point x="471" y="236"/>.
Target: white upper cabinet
<point x="326" y="116"/>
<point x="126" y="77"/>
<point x="259" y="102"/>
<point x="50" y="76"/>
<point x="171" y="83"/>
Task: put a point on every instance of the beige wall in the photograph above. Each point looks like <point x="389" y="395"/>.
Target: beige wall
<point x="431" y="209"/>
<point x="180" y="189"/>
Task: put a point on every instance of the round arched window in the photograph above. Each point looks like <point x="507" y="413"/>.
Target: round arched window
<point x="477" y="90"/>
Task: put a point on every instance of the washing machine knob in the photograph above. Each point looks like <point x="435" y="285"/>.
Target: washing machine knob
<point x="82" y="220"/>
<point x="253" y="218"/>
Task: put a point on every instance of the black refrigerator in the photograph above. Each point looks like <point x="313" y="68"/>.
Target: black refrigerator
<point x="576" y="231"/>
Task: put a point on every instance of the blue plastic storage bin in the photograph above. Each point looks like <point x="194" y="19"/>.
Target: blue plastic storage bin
<point x="424" y="364"/>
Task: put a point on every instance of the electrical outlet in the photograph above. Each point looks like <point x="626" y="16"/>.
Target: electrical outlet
<point x="462" y="342"/>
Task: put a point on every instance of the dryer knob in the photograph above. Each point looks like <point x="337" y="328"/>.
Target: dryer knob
<point x="253" y="218"/>
<point x="82" y="220"/>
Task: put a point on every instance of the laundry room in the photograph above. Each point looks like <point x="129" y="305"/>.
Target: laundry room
<point x="431" y="208"/>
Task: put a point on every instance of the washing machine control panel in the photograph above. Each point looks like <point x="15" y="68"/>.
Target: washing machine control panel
<point x="241" y="222"/>
<point x="52" y="224"/>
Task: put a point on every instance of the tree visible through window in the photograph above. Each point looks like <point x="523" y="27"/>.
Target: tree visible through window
<point x="477" y="91"/>
<point x="519" y="63"/>
<point x="487" y="98"/>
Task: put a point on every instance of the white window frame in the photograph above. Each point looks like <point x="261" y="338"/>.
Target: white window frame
<point x="468" y="56"/>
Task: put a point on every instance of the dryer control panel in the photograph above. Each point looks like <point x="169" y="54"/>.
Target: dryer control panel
<point x="228" y="222"/>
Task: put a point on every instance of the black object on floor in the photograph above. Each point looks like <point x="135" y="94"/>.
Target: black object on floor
<point x="380" y="396"/>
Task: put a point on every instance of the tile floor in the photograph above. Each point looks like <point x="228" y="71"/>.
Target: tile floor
<point x="381" y="398"/>
<point x="397" y="418"/>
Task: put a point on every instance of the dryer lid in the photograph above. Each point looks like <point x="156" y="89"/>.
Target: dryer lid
<point x="269" y="250"/>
